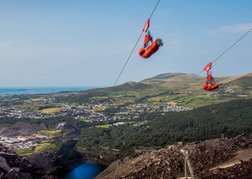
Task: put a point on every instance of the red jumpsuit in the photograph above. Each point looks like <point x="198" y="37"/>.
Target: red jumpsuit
<point x="150" y="50"/>
<point x="209" y="85"/>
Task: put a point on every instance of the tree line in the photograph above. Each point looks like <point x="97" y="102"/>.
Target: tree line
<point x="230" y="118"/>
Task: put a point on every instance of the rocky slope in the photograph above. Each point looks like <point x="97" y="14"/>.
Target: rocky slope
<point x="203" y="156"/>
<point x="216" y="158"/>
<point x="22" y="128"/>
<point x="13" y="166"/>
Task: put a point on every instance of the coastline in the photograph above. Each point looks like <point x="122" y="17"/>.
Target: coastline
<point x="4" y="91"/>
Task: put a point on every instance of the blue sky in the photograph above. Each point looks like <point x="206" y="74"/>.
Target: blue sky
<point x="87" y="42"/>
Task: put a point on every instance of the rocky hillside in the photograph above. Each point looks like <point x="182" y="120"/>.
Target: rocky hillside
<point x="13" y="166"/>
<point x="235" y="155"/>
<point x="21" y="128"/>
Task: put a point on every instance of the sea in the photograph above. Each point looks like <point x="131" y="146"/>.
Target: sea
<point x="41" y="90"/>
<point x="83" y="171"/>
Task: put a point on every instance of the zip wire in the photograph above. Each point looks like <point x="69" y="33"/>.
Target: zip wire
<point x="229" y="48"/>
<point x="135" y="46"/>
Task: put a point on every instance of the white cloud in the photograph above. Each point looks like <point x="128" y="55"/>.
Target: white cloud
<point x="237" y="28"/>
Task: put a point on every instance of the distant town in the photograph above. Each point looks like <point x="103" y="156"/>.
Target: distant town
<point x="93" y="112"/>
<point x="90" y="112"/>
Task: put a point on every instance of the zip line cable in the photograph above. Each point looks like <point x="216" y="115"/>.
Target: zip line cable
<point x="135" y="46"/>
<point x="229" y="48"/>
<point x="154" y="9"/>
<point x="128" y="57"/>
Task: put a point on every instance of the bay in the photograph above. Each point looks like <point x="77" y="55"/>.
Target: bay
<point x="40" y="90"/>
<point x="85" y="171"/>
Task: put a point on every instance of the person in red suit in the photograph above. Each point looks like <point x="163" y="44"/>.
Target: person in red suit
<point x="147" y="50"/>
<point x="210" y="85"/>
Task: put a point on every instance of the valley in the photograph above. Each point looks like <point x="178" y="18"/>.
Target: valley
<point x="105" y="124"/>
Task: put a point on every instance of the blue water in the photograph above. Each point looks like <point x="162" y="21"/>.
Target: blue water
<point x="40" y="90"/>
<point x="85" y="171"/>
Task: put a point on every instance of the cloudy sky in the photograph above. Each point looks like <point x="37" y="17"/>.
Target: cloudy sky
<point x="87" y="42"/>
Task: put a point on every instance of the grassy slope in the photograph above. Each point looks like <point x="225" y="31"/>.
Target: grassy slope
<point x="181" y="88"/>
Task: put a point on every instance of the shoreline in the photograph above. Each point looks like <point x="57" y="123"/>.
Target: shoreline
<point x="6" y="91"/>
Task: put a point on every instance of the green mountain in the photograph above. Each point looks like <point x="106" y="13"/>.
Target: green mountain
<point x="225" y="110"/>
<point x="180" y="88"/>
<point x="187" y="82"/>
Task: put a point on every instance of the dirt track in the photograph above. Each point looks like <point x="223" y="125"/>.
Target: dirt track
<point x="244" y="155"/>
